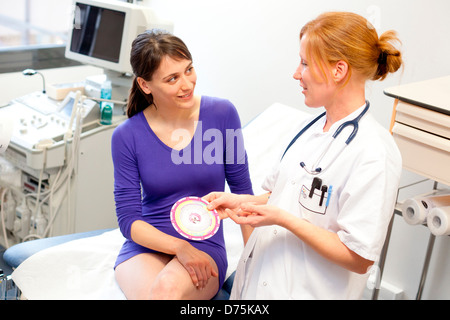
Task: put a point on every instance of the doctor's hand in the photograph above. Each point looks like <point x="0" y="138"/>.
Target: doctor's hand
<point x="257" y="215"/>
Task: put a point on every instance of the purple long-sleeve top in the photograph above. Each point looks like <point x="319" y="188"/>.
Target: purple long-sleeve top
<point x="150" y="176"/>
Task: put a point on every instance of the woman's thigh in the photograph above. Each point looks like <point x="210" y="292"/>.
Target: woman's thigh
<point x="174" y="282"/>
<point x="136" y="275"/>
<point x="160" y="276"/>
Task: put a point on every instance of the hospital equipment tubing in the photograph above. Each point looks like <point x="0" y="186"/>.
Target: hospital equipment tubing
<point x="63" y="177"/>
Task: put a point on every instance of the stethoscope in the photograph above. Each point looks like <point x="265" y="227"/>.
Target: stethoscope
<point x="350" y="138"/>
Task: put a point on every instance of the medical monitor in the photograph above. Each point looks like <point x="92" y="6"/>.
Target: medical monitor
<point x="103" y="31"/>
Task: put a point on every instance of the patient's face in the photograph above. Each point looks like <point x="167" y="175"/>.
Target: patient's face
<point x="172" y="84"/>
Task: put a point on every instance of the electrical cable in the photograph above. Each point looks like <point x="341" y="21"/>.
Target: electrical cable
<point x="63" y="178"/>
<point x="3" y="217"/>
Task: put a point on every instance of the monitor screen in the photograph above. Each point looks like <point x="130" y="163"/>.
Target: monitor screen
<point x="103" y="32"/>
<point x="97" y="32"/>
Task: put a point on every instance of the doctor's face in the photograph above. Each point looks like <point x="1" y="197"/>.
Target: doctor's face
<point x="316" y="89"/>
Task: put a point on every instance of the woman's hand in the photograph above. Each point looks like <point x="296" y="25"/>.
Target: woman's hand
<point x="197" y="263"/>
<point x="221" y="201"/>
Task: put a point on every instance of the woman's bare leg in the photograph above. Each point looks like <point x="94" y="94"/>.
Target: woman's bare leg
<point x="160" y="276"/>
<point x="136" y="275"/>
<point x="175" y="283"/>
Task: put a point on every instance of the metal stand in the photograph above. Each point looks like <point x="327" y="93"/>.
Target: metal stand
<point x="382" y="261"/>
<point x="426" y="264"/>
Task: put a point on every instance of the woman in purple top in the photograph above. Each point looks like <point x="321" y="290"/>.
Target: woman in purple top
<point x="174" y="144"/>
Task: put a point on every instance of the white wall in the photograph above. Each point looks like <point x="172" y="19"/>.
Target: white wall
<point x="247" y="51"/>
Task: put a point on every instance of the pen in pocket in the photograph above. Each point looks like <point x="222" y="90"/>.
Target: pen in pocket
<point x="330" y="188"/>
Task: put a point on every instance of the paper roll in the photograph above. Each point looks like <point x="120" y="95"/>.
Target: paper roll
<point x="416" y="210"/>
<point x="438" y="221"/>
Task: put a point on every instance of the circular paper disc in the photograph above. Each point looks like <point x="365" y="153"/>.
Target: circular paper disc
<point x="193" y="220"/>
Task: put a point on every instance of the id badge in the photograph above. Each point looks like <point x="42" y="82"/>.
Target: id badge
<point x="316" y="203"/>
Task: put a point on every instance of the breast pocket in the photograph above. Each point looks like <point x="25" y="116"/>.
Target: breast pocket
<point x="315" y="204"/>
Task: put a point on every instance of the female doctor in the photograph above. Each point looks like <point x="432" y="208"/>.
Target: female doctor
<point x="322" y="223"/>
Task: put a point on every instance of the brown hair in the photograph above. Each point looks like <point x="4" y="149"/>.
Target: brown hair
<point x="147" y="52"/>
<point x="346" y="36"/>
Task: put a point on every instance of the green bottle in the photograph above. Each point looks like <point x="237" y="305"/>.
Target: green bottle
<point x="106" y="107"/>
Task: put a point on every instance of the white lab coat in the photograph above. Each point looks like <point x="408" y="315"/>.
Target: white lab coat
<point x="275" y="263"/>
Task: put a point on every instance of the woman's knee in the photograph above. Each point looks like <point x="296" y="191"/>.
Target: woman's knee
<point x="167" y="286"/>
<point x="136" y="276"/>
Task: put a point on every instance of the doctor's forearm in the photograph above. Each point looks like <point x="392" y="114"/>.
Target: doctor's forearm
<point x="326" y="243"/>
<point x="259" y="199"/>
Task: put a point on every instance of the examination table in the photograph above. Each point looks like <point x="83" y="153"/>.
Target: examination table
<point x="17" y="254"/>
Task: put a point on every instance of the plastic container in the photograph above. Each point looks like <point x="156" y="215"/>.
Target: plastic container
<point x="106" y="107"/>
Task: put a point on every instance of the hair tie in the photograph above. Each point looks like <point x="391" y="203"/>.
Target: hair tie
<point x="382" y="59"/>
